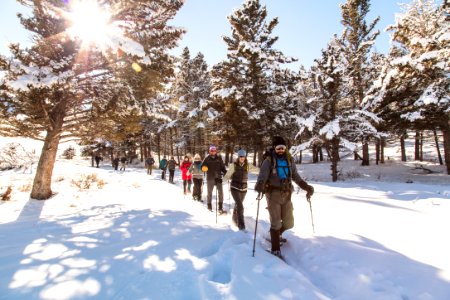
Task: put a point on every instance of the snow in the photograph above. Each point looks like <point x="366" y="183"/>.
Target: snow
<point x="138" y="237"/>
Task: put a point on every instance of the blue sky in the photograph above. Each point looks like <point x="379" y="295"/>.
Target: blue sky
<point x="305" y="26"/>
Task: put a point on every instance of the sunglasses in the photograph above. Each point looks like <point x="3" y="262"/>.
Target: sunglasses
<point x="280" y="148"/>
<point x="212" y="150"/>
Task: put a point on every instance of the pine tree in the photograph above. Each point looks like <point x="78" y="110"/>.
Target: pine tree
<point x="245" y="86"/>
<point x="415" y="83"/>
<point x="359" y="38"/>
<point x="331" y="120"/>
<point x="61" y="82"/>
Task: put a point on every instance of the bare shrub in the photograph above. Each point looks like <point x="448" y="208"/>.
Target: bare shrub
<point x="6" y="196"/>
<point x="85" y="182"/>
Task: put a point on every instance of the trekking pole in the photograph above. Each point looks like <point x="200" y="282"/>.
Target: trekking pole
<point x="217" y="185"/>
<point x="258" y="198"/>
<point x="310" y="209"/>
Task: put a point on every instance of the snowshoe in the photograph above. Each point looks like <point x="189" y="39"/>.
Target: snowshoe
<point x="222" y="212"/>
<point x="276" y="253"/>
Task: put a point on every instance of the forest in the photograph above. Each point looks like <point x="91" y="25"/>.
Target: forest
<point x="118" y="91"/>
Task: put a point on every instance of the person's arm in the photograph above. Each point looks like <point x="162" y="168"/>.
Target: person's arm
<point x="263" y="176"/>
<point x="300" y="182"/>
<point x="229" y="172"/>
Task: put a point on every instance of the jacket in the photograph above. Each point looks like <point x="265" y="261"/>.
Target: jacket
<point x="238" y="174"/>
<point x="196" y="170"/>
<point x="184" y="167"/>
<point x="269" y="173"/>
<point x="216" y="167"/>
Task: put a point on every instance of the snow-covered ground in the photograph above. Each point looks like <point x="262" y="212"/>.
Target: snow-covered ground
<point x="138" y="237"/>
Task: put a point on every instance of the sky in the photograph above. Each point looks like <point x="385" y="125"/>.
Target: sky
<point x="305" y="26"/>
<point x="138" y="237"/>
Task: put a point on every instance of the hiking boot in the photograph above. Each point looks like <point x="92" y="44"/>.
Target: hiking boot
<point x="221" y="211"/>
<point x="277" y="253"/>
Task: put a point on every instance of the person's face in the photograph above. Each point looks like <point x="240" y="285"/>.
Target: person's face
<point x="280" y="149"/>
<point x="213" y="152"/>
<point x="241" y="159"/>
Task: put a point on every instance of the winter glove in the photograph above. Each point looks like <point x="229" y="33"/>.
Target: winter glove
<point x="259" y="187"/>
<point x="309" y="191"/>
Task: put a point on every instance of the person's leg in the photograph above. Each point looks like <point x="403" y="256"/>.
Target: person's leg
<point x="240" y="210"/>
<point x="287" y="213"/>
<point x="184" y="186"/>
<point x="189" y="185"/>
<point x="210" y="185"/>
<point x="274" y="206"/>
<point x="220" y="192"/>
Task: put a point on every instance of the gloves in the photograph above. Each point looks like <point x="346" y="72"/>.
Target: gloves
<point x="218" y="180"/>
<point x="259" y="187"/>
<point x="309" y="191"/>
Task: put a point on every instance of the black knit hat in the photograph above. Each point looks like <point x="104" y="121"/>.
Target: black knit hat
<point x="278" y="140"/>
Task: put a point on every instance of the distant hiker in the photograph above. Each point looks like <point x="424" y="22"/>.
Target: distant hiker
<point x="215" y="170"/>
<point x="115" y="163"/>
<point x="97" y="158"/>
<point x="197" y="176"/>
<point x="163" y="167"/>
<point x="238" y="173"/>
<point x="149" y="162"/>
<point x="123" y="163"/>
<point x="171" y="165"/>
<point x="185" y="175"/>
<point x="278" y="170"/>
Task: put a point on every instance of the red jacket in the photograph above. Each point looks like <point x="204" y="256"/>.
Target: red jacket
<point x="184" y="167"/>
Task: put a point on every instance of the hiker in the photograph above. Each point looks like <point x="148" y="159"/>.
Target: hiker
<point x="98" y="158"/>
<point x="185" y="175"/>
<point x="123" y="163"/>
<point x="238" y="173"/>
<point x="171" y="165"/>
<point x="197" y="176"/>
<point x="115" y="163"/>
<point x="215" y="169"/>
<point x="163" y="167"/>
<point x="278" y="170"/>
<point x="149" y="162"/>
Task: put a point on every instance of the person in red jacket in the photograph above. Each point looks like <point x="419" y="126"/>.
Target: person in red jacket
<point x="185" y="175"/>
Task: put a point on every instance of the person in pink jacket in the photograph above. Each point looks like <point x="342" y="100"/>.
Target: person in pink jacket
<point x="185" y="175"/>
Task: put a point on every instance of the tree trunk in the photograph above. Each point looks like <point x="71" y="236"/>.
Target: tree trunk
<point x="382" y="145"/>
<point x="436" y="141"/>
<point x="334" y="158"/>
<point x="365" y="152"/>
<point x="402" y="147"/>
<point x="42" y="181"/>
<point x="446" y="134"/>
<point x="417" y="146"/>
<point x="377" y="151"/>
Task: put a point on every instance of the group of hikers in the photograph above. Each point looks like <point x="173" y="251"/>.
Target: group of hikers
<point x="275" y="177"/>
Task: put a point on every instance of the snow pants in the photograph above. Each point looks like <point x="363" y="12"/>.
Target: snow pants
<point x="197" y="194"/>
<point x="210" y="185"/>
<point x="281" y="210"/>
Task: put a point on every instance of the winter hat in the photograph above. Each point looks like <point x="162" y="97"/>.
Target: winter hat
<point x="278" y="140"/>
<point x="242" y="153"/>
<point x="197" y="157"/>
<point x="213" y="148"/>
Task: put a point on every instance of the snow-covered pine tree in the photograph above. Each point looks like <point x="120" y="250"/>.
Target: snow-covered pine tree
<point x="50" y="85"/>
<point x="244" y="85"/>
<point x="415" y="83"/>
<point x="332" y="120"/>
<point x="358" y="38"/>
<point x="190" y="89"/>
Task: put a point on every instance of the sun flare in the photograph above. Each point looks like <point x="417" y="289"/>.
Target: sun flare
<point x="90" y="22"/>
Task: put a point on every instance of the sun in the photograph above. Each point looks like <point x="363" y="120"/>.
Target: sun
<point x="89" y="22"/>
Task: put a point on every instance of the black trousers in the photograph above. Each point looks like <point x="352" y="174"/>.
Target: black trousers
<point x="238" y="213"/>
<point x="197" y="193"/>
<point x="171" y="174"/>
